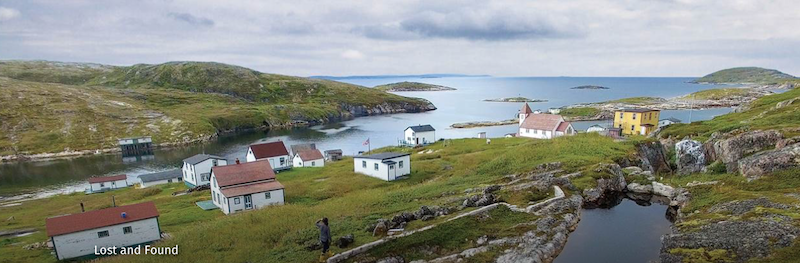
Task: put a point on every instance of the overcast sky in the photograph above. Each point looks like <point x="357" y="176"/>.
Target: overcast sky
<point x="501" y="38"/>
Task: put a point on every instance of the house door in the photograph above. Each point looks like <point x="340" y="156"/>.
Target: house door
<point x="392" y="173"/>
<point x="417" y="140"/>
<point x="248" y="202"/>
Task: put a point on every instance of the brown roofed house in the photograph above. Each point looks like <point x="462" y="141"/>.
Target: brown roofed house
<point x="275" y="152"/>
<point x="76" y="235"/>
<point x="107" y="183"/>
<point x="245" y="186"/>
<point x="308" y="158"/>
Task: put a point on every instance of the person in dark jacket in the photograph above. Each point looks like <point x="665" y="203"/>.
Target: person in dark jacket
<point x="324" y="234"/>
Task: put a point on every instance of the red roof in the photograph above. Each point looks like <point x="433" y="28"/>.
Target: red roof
<point x="243" y="173"/>
<point x="251" y="188"/>
<point x="99" y="218"/>
<point x="308" y="155"/>
<point x="525" y="109"/>
<point x="545" y="122"/>
<point x="563" y="126"/>
<point x="104" y="179"/>
<point x="270" y="149"/>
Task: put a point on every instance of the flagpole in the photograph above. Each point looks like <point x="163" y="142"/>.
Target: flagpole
<point x="369" y="145"/>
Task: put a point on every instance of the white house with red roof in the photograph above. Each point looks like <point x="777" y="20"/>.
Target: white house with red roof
<point x="106" y="183"/>
<point x="542" y="126"/>
<point x="76" y="235"/>
<point x="245" y="186"/>
<point x="274" y="152"/>
<point x="308" y="158"/>
<point x="196" y="170"/>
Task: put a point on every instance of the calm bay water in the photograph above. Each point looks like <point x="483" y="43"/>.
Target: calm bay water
<point x="464" y="104"/>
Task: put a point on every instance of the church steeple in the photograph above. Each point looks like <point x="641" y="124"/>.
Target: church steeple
<point x="524" y="112"/>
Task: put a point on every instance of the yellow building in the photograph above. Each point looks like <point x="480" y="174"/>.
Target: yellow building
<point x="636" y="121"/>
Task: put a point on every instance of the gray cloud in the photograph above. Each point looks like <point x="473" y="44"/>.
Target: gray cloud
<point x="191" y="19"/>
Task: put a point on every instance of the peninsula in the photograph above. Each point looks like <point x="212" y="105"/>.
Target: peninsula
<point x="411" y="86"/>
<point x="590" y="87"/>
<point x="515" y="99"/>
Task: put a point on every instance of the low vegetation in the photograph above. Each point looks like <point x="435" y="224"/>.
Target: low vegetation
<point x="777" y="111"/>
<point x="579" y="112"/>
<point x="746" y="75"/>
<point x="717" y="94"/>
<point x="350" y="200"/>
<point x="635" y="101"/>
<point x="54" y="106"/>
<point x="411" y="86"/>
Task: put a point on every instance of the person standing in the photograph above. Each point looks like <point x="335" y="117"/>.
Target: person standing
<point x="324" y="234"/>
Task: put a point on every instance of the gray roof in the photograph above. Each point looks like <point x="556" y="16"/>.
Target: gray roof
<point x="383" y="156"/>
<point x="200" y="157"/>
<point x="672" y="119"/>
<point x="303" y="146"/>
<point x="334" y="151"/>
<point x="421" y="128"/>
<point x="169" y="174"/>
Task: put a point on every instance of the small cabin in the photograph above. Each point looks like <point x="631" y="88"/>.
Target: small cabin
<point x="308" y="158"/>
<point x="245" y="186"/>
<point x="196" y="170"/>
<point x="385" y="166"/>
<point x="274" y="152"/>
<point x="420" y="135"/>
<point x="668" y="121"/>
<point x="596" y="128"/>
<point x="135" y="145"/>
<point x="165" y="177"/>
<point x="107" y="183"/>
<point x="78" y="235"/>
<point x="333" y="155"/>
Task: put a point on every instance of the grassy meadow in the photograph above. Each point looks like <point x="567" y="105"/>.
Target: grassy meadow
<point x="351" y="201"/>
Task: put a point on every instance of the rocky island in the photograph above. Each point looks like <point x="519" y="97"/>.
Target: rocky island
<point x="515" y="99"/>
<point x="590" y="87"/>
<point x="411" y="86"/>
<point x="746" y="75"/>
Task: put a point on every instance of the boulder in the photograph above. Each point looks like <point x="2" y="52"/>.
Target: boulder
<point x="653" y="156"/>
<point x="786" y="142"/>
<point x="760" y="164"/>
<point x="640" y="189"/>
<point x="731" y="150"/>
<point x="632" y="170"/>
<point x="391" y="260"/>
<point x="663" y="190"/>
<point x="746" y="239"/>
<point x="690" y="157"/>
<point x="345" y="241"/>
<point x="380" y="229"/>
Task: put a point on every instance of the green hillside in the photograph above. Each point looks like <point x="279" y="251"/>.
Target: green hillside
<point x="55" y="106"/>
<point x="745" y="75"/>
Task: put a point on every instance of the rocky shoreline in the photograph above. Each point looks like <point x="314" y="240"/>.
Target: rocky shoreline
<point x="515" y="99"/>
<point x="590" y="87"/>
<point x="348" y="112"/>
<point x="474" y="124"/>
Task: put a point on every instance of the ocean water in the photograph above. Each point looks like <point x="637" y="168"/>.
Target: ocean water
<point x="464" y="104"/>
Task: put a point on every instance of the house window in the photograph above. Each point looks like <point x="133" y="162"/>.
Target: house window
<point x="632" y="128"/>
<point x="236" y="200"/>
<point x="102" y="234"/>
<point x="363" y="164"/>
<point x="267" y="195"/>
<point x="127" y="230"/>
<point x="218" y="197"/>
<point x="621" y="115"/>
<point x="391" y="167"/>
<point x="169" y="180"/>
<point x="376" y="167"/>
<point x="102" y="184"/>
<point x="214" y="162"/>
<point x="283" y="161"/>
<point x="400" y="164"/>
<point x="313" y="163"/>
<point x="634" y="116"/>
<point x="527" y="130"/>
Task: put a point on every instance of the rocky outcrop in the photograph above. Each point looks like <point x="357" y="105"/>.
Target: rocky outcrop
<point x="399" y="221"/>
<point x="613" y="183"/>
<point x="760" y="164"/>
<point x="344" y="241"/>
<point x="387" y="108"/>
<point x="653" y="157"/>
<point x="741" y="240"/>
<point x="731" y="150"/>
<point x="483" y="199"/>
<point x="740" y="207"/>
<point x="689" y="156"/>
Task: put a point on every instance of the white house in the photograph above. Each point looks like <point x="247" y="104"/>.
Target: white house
<point x="165" y="177"/>
<point x="385" y="166"/>
<point x="106" y="183"/>
<point x="77" y="235"/>
<point x="668" y="121"/>
<point x="245" y="186"/>
<point x="420" y="135"/>
<point x="308" y="158"/>
<point x="197" y="169"/>
<point x="596" y="128"/>
<point x="542" y="126"/>
<point x="275" y="152"/>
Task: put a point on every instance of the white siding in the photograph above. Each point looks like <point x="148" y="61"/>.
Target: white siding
<point x="533" y="133"/>
<point x="275" y="161"/>
<point x="424" y="137"/>
<point x="193" y="173"/>
<point x="259" y="201"/>
<point x="82" y="243"/>
<point x="310" y="163"/>
<point x="384" y="172"/>
<point x="165" y="181"/>
<point x="96" y="187"/>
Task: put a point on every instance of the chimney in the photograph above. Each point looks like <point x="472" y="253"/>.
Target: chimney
<point x="237" y="161"/>
<point x="82" y="209"/>
<point x="113" y="201"/>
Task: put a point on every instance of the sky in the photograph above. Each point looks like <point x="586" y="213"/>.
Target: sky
<point x="500" y="38"/>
